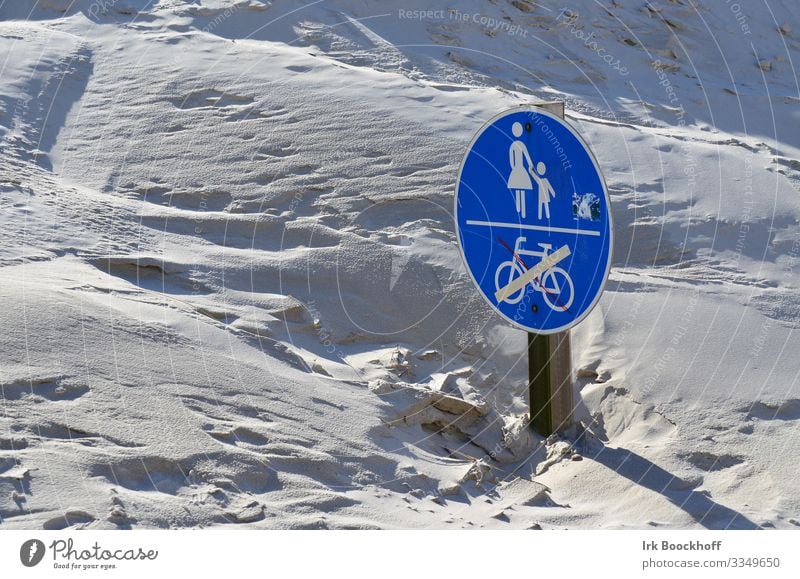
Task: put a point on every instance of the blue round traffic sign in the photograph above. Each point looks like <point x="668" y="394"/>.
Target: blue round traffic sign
<point x="533" y="220"/>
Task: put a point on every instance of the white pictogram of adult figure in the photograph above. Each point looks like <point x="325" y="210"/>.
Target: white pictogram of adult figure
<point x="519" y="181"/>
<point x="545" y="189"/>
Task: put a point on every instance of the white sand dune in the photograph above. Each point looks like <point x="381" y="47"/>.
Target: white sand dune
<point x="232" y="293"/>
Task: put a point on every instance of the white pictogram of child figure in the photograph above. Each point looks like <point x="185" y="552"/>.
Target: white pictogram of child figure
<point x="545" y="189"/>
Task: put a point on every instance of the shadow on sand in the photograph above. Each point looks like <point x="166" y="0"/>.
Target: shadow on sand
<point x="678" y="491"/>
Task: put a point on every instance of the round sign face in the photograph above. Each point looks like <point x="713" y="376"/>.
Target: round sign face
<point x="533" y="220"/>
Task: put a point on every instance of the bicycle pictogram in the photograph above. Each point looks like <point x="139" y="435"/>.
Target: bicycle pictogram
<point x="555" y="283"/>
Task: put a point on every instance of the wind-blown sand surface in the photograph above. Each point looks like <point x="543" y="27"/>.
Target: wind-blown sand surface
<point x="232" y="293"/>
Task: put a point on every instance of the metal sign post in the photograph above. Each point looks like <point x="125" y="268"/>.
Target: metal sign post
<point x="550" y="382"/>
<point x="534" y="229"/>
